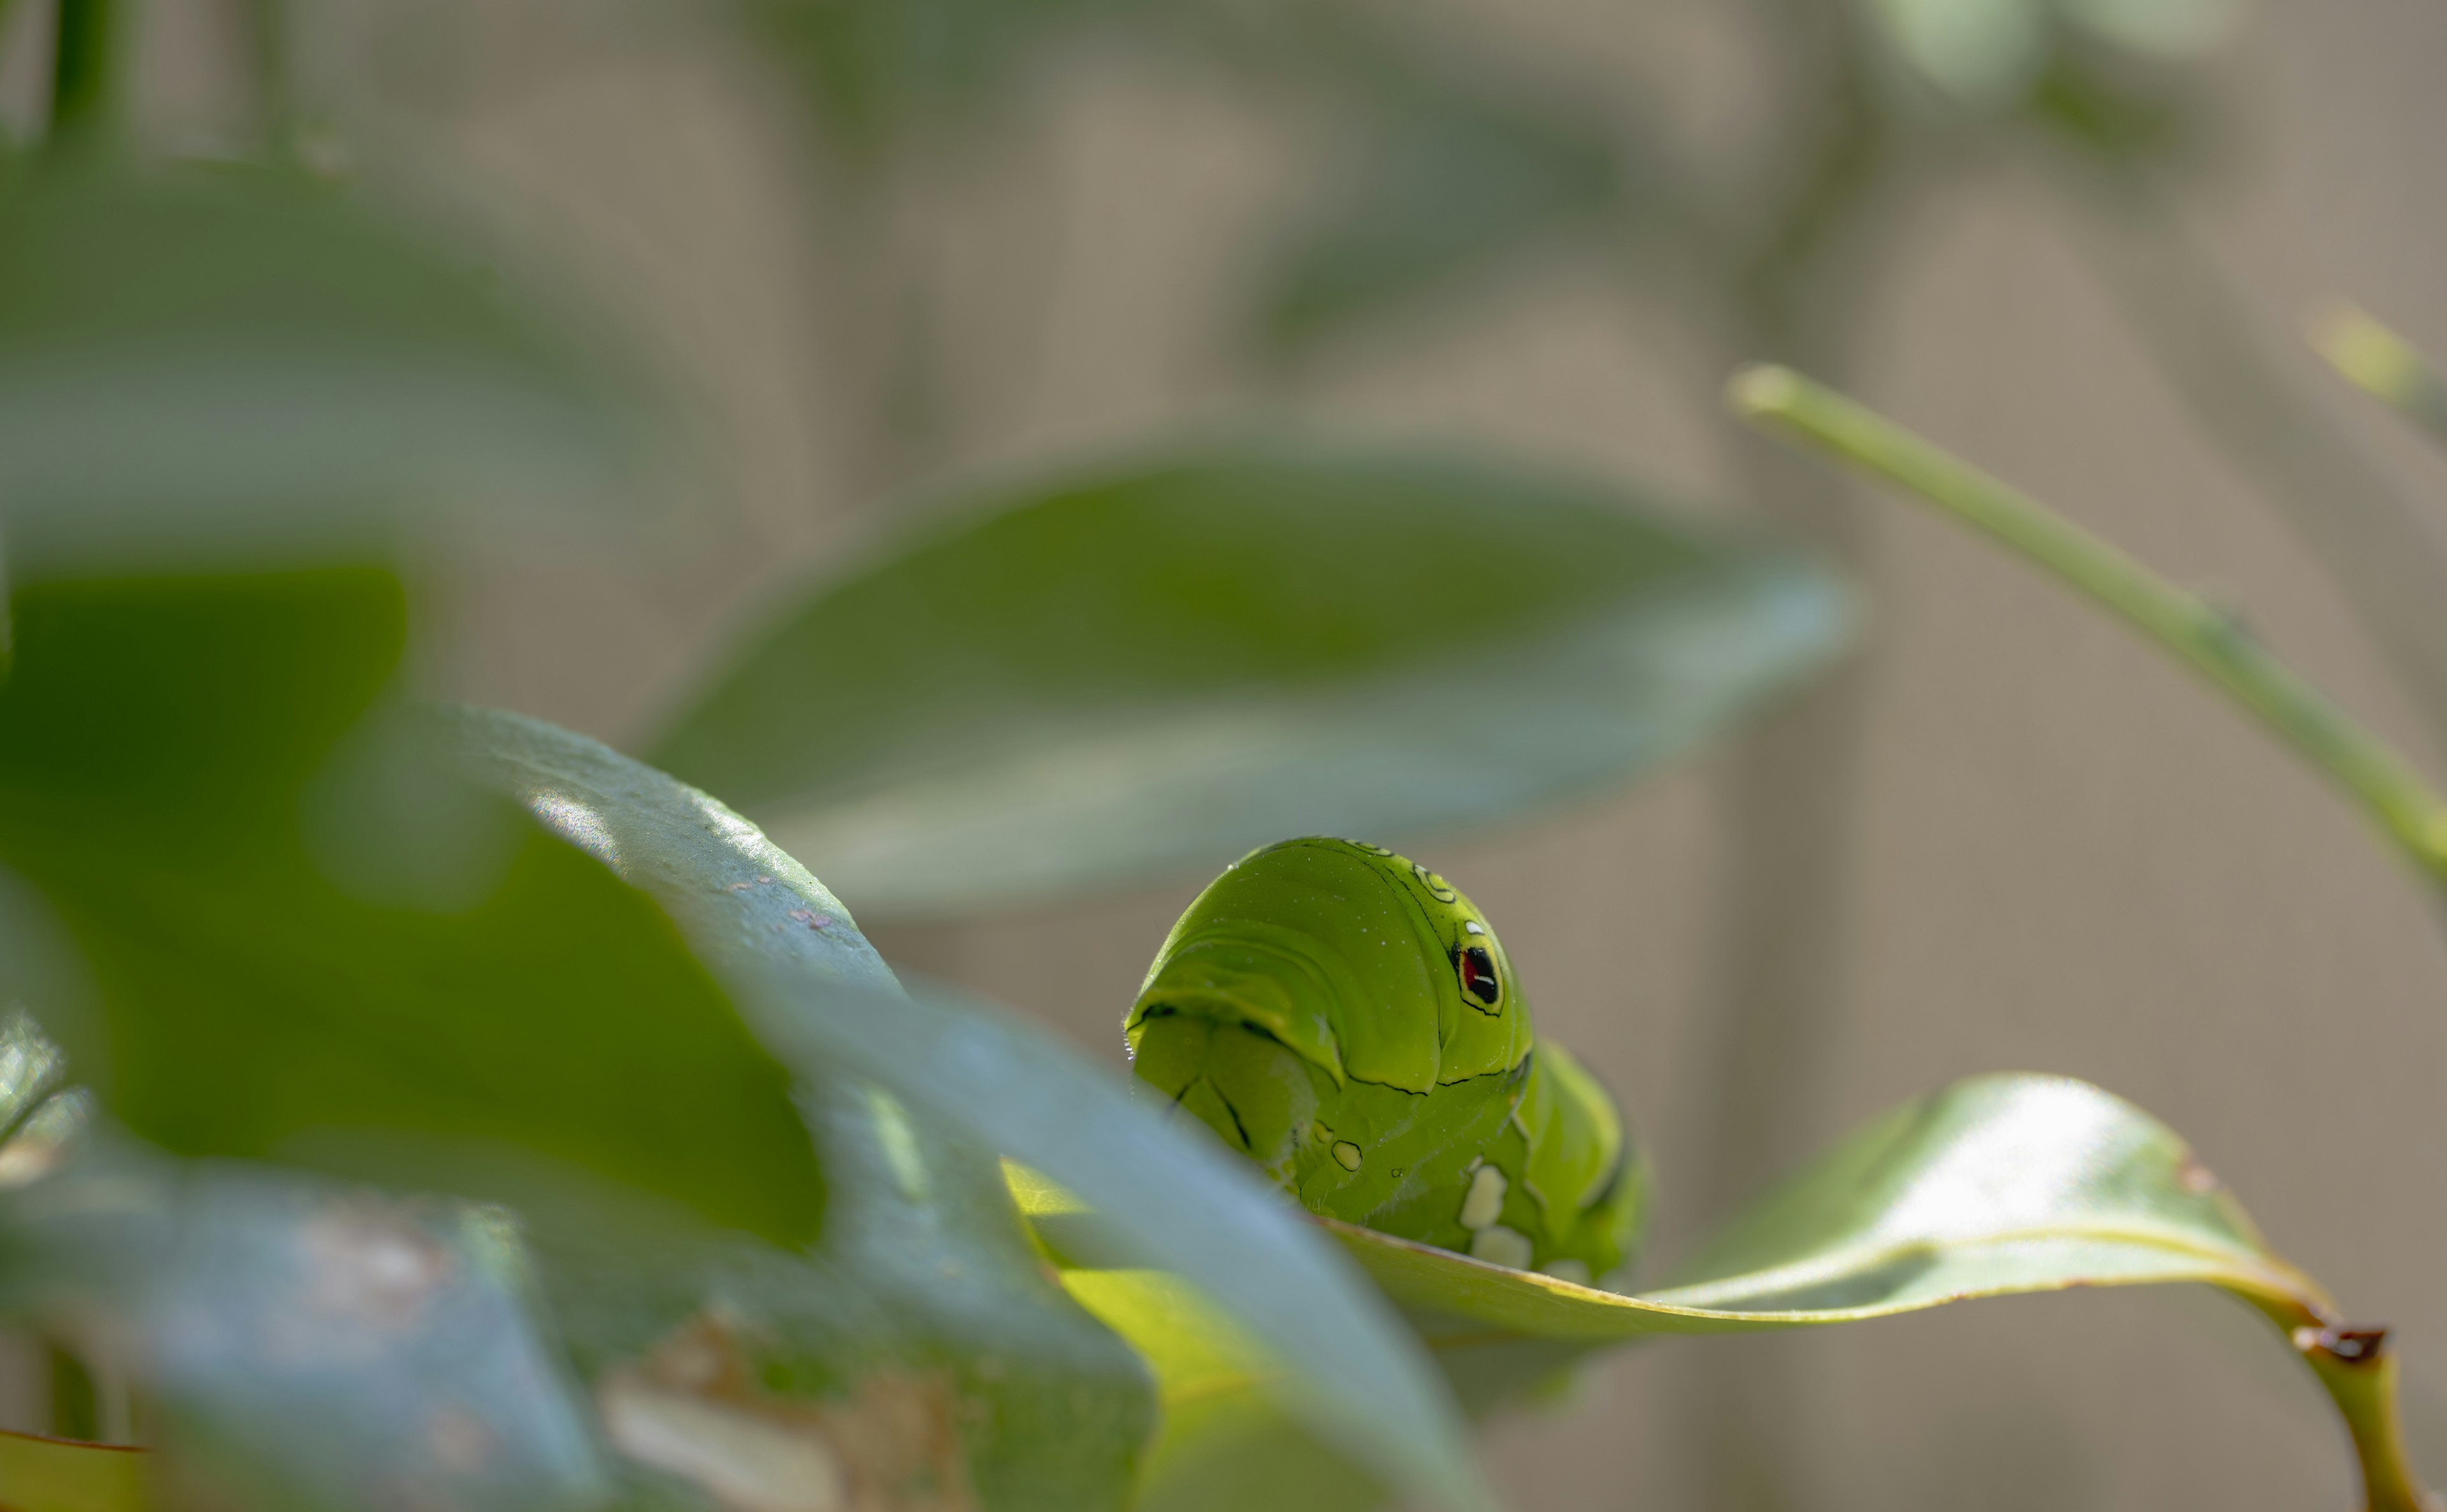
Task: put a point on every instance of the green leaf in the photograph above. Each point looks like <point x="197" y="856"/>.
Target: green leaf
<point x="774" y="934"/>
<point x="307" y="1345"/>
<point x="1994" y="1186"/>
<point x="919" y="1339"/>
<point x="198" y="360"/>
<point x="53" y="1475"/>
<point x="1162" y="666"/>
<point x="293" y="920"/>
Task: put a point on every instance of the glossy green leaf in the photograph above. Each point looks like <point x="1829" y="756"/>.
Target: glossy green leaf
<point x="54" y="1475"/>
<point x="1993" y="1187"/>
<point x="293" y="920"/>
<point x="210" y="360"/>
<point x="1164" y="665"/>
<point x="777" y="936"/>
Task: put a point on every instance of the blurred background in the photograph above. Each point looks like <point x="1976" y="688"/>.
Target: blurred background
<point x="866" y="253"/>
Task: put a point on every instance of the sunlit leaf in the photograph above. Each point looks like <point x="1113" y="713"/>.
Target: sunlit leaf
<point x="774" y="932"/>
<point x="203" y="360"/>
<point x="1164" y="665"/>
<point x="291" y="922"/>
<point x="1994" y="1186"/>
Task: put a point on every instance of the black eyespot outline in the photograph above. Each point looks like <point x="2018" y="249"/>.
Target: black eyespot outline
<point x="1482" y="985"/>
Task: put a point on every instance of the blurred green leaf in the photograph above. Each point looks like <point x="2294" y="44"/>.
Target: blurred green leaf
<point x="51" y="1475"/>
<point x="1164" y="665"/>
<point x="196" y="359"/>
<point x="283" y="936"/>
<point x="920" y="1338"/>
<point x="774" y="934"/>
<point x="1446" y="186"/>
<point x="1993" y="1187"/>
<point x="305" y="1345"/>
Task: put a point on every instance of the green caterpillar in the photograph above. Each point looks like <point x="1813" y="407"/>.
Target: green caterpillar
<point x="1348" y="1021"/>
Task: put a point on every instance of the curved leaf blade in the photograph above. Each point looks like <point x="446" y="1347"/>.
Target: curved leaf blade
<point x="1160" y="666"/>
<point x="1993" y="1187"/>
<point x="767" y="926"/>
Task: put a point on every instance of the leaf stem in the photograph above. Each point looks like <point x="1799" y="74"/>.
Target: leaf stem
<point x="2359" y="1371"/>
<point x="2205" y="637"/>
<point x="2380" y="363"/>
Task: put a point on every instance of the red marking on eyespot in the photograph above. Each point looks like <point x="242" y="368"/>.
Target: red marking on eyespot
<point x="1478" y="977"/>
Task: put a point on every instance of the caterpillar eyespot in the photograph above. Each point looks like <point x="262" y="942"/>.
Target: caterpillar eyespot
<point x="1479" y="983"/>
<point x="1361" y="1087"/>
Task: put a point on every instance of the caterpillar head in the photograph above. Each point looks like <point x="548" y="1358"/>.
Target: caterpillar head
<point x="1341" y="1017"/>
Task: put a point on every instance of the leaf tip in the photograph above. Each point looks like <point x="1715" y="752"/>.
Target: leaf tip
<point x="1763" y="388"/>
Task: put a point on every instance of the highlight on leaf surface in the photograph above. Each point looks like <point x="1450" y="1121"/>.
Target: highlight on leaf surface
<point x="1159" y="665"/>
<point x="1993" y="1187"/>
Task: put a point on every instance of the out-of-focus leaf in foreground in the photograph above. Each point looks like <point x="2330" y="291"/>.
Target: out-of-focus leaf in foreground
<point x="1993" y="1187"/>
<point x="768" y="928"/>
<point x="309" y="1346"/>
<point x="1160" y="666"/>
<point x="194" y="360"/>
<point x="294" y="920"/>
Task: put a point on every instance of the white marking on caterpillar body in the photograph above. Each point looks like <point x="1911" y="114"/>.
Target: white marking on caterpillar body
<point x="1501" y="1246"/>
<point x="1485" y="1204"/>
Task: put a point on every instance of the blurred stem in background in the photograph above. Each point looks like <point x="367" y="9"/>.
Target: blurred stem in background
<point x="2205" y="637"/>
<point x="264" y="37"/>
<point x="88" y="53"/>
<point x="2247" y="402"/>
<point x="2381" y="364"/>
<point x="1772" y="1005"/>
